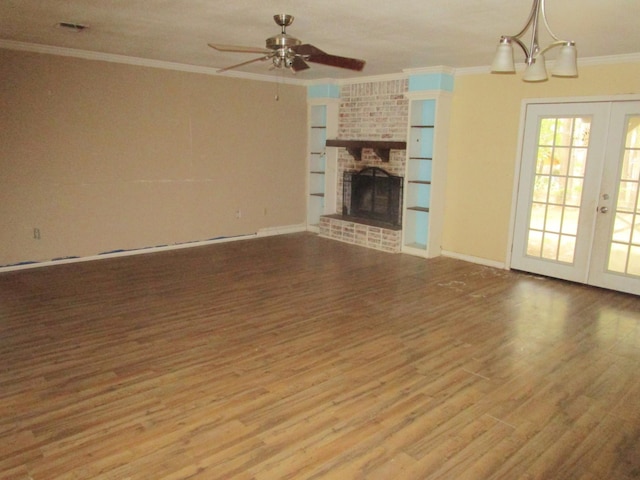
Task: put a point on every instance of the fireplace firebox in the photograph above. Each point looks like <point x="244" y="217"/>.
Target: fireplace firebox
<point x="372" y="194"/>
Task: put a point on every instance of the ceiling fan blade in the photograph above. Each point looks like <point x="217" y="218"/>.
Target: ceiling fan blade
<point x="238" y="48"/>
<point x="307" y="49"/>
<point x="266" y="57"/>
<point x="314" y="54"/>
<point x="299" y="64"/>
<point x="336" y="61"/>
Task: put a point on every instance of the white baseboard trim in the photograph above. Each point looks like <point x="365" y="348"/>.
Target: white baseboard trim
<point x="269" y="231"/>
<point x="141" y="251"/>
<point x="478" y="260"/>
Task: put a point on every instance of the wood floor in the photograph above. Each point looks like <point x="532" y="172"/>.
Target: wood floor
<point x="296" y="357"/>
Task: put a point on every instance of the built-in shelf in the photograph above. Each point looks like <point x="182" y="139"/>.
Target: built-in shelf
<point x="380" y="147"/>
<point x="317" y="166"/>
<point x="419" y="209"/>
<point x="425" y="173"/>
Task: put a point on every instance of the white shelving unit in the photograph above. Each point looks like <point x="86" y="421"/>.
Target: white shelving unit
<point x="322" y="164"/>
<point x="426" y="173"/>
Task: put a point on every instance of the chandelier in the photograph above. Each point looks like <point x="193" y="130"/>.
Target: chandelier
<point x="566" y="63"/>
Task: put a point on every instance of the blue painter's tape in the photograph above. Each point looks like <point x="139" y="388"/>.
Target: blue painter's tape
<point x="431" y="81"/>
<point x="28" y="262"/>
<point x="323" y="91"/>
<point x="111" y="252"/>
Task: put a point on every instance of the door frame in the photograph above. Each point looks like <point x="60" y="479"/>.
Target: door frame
<point x="519" y="152"/>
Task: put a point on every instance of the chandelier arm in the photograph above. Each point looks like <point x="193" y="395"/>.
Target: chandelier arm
<point x="546" y="23"/>
<point x="534" y="49"/>
<point x="532" y="14"/>
<point x="557" y="43"/>
<point x="521" y="44"/>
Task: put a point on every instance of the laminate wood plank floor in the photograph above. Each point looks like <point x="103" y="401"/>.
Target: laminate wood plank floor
<point x="298" y="357"/>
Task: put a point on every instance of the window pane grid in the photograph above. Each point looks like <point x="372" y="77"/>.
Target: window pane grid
<point x="557" y="191"/>
<point x="624" y="251"/>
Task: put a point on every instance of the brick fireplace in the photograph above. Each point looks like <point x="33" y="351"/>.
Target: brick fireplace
<point x="369" y="111"/>
<point x="372" y="194"/>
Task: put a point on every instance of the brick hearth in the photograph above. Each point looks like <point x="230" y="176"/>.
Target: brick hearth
<point x="370" y="236"/>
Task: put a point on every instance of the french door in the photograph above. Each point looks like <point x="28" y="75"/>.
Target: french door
<point x="578" y="202"/>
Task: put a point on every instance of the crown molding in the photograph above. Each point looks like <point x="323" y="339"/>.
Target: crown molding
<point x="137" y="61"/>
<point x="354" y="80"/>
<point x="144" y="62"/>
<point x="426" y="70"/>
<point x="609" y="59"/>
<point x="373" y="79"/>
<point x="582" y="62"/>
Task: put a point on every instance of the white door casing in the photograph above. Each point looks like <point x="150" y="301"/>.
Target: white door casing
<point x="571" y="222"/>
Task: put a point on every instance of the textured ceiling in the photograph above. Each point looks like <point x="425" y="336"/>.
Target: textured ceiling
<point x="390" y="36"/>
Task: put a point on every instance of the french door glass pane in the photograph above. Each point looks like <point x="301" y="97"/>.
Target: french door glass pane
<point x="624" y="251"/>
<point x="557" y="192"/>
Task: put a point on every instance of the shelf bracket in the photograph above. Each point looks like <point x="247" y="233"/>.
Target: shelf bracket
<point x="380" y="147"/>
<point x="355" y="152"/>
<point x="382" y="153"/>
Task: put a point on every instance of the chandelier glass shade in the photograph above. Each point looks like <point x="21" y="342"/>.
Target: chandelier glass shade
<point x="566" y="64"/>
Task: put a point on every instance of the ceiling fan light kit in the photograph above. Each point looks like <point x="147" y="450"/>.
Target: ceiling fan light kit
<point x="286" y="51"/>
<point x="566" y="64"/>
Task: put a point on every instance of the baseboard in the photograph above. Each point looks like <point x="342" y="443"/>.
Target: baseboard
<point x="471" y="259"/>
<point x="269" y="231"/>
<point x="263" y="232"/>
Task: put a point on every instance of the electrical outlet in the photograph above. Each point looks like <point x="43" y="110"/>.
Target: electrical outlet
<point x="238" y="213"/>
<point x="265" y="211"/>
<point x="36" y="234"/>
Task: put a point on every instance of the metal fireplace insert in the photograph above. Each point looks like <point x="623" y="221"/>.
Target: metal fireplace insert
<point x="372" y="194"/>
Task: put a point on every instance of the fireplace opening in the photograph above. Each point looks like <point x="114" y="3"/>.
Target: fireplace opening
<point x="373" y="194"/>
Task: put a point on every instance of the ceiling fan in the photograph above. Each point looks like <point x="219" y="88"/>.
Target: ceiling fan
<point x="286" y="51"/>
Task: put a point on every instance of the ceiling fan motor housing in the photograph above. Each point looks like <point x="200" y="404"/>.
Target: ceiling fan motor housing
<point x="282" y="40"/>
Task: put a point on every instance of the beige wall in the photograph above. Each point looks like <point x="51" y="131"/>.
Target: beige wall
<point x="483" y="150"/>
<point x="103" y="156"/>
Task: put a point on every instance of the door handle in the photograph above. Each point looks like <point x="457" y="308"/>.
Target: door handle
<point x="604" y="209"/>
